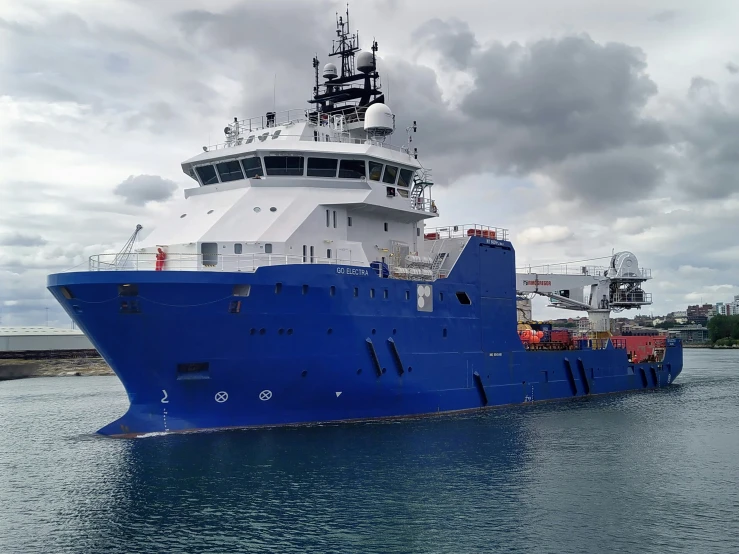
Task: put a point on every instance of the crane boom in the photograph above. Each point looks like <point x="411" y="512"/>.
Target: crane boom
<point x="596" y="290"/>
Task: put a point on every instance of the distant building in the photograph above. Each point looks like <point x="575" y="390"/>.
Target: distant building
<point x="699" y="315"/>
<point x="20" y="339"/>
<point x="690" y="334"/>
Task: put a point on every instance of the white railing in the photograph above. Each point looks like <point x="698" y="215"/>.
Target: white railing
<point x="574" y="269"/>
<point x="339" y="138"/>
<point x="240" y="129"/>
<point x="205" y="262"/>
<point x="466" y="230"/>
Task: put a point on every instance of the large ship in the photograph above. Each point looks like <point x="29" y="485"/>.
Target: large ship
<point x="301" y="280"/>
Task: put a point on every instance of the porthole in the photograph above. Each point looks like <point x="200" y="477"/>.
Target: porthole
<point x="273" y="209"/>
<point x="257" y="209"/>
<point x="183" y="215"/>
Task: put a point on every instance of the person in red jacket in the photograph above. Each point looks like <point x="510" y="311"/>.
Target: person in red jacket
<point x="161" y="256"/>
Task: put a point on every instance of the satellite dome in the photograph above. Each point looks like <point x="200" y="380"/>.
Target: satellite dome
<point x="379" y="121"/>
<point x="365" y="62"/>
<point x="329" y="71"/>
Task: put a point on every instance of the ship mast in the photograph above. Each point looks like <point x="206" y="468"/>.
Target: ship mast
<point x="340" y="93"/>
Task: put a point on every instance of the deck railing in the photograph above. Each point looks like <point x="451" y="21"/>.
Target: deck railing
<point x="466" y="230"/>
<point x="145" y="261"/>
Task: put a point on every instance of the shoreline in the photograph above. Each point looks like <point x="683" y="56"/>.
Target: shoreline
<point x="19" y="368"/>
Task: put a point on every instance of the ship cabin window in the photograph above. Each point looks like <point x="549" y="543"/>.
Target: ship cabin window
<point x="386" y="226"/>
<point x="328" y="253"/>
<point x="390" y="174"/>
<point x="334" y="219"/>
<point x="284" y="165"/>
<point x="349" y="221"/>
<point x="230" y="171"/>
<point x="328" y="218"/>
<point x="268" y="248"/>
<point x="352" y="169"/>
<point x="305" y="253"/>
<point x="405" y="178"/>
<point x="375" y="171"/>
<point x="238" y="248"/>
<point x="322" y="167"/>
<point x="207" y="174"/>
<point x="418" y="231"/>
<point x="252" y="167"/>
<point x="312" y="255"/>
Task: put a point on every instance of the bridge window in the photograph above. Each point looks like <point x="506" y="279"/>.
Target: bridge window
<point x="375" y="171"/>
<point x="230" y="171"/>
<point x="406" y="176"/>
<point x="252" y="167"/>
<point x="352" y="169"/>
<point x="207" y="174"/>
<point x="284" y="165"/>
<point x="391" y="173"/>
<point x="322" y="167"/>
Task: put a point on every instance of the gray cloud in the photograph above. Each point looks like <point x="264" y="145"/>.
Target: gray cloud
<point x="21" y="239"/>
<point x="140" y="189"/>
<point x="664" y="16"/>
<point x="453" y="39"/>
<point x="614" y="176"/>
<point x="732" y="68"/>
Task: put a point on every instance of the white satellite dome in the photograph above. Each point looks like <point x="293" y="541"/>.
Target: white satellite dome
<point x="365" y="62"/>
<point x="329" y="71"/>
<point x="379" y="121"/>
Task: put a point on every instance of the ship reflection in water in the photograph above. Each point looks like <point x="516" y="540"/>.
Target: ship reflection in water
<point x="647" y="472"/>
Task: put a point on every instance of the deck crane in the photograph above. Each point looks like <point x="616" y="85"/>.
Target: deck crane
<point x="596" y="290"/>
<point x="122" y="257"/>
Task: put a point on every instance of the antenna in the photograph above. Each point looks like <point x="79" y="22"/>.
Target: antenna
<point x="274" y="94"/>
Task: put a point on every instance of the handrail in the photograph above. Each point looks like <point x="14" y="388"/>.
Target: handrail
<point x="342" y="138"/>
<point x="147" y="261"/>
<point x="465" y="230"/>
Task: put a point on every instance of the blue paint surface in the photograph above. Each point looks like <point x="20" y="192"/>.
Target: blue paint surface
<point x="317" y="343"/>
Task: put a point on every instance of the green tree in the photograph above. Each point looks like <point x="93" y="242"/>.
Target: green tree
<point x="723" y="327"/>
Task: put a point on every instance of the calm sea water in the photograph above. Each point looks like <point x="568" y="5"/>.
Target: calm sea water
<point x="646" y="472"/>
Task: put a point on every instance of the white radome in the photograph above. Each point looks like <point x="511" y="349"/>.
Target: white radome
<point x="329" y="71"/>
<point x="379" y="120"/>
<point x="364" y="62"/>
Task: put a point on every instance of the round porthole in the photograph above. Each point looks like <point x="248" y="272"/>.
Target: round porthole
<point x="273" y="209"/>
<point x="183" y="215"/>
<point x="257" y="209"/>
<point x="210" y="211"/>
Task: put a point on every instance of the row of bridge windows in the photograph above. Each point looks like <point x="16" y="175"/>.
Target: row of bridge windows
<point x="281" y="166"/>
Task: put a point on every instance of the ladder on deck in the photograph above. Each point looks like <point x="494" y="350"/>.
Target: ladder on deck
<point x="439" y="256"/>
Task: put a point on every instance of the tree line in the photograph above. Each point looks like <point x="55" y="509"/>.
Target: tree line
<point x="723" y="329"/>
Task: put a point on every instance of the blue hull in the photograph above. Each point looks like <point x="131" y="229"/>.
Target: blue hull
<point x="319" y="343"/>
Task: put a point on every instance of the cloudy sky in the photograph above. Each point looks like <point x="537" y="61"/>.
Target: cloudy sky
<point x="584" y="127"/>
